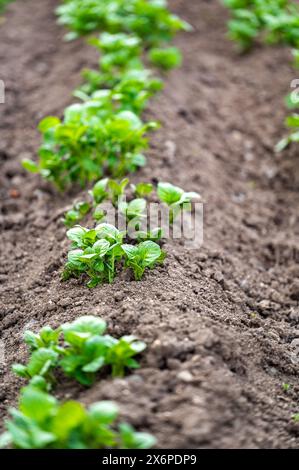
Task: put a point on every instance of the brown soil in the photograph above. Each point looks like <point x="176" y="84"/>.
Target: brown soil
<point x="219" y="322"/>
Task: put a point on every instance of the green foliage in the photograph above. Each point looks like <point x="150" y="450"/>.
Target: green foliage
<point x="94" y="252"/>
<point x="42" y="422"/>
<point x="274" y="21"/>
<point x="134" y="209"/>
<point x="41" y="364"/>
<point x="3" y="4"/>
<point x="98" y="192"/>
<point x="142" y="189"/>
<point x="166" y="59"/>
<point x="145" y="255"/>
<point x="109" y="189"/>
<point x="89" y="142"/>
<point x="88" y="350"/>
<point x="154" y="235"/>
<point x="77" y="213"/>
<point x="130" y="92"/>
<point x="97" y="252"/>
<point x="80" y="349"/>
<point x="149" y="20"/>
<point x="175" y="198"/>
<point x="292" y="122"/>
<point x="117" y="190"/>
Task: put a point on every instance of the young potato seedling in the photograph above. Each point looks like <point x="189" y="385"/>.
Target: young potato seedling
<point x="175" y="198"/>
<point x="120" y="53"/>
<point x="150" y="21"/>
<point x="99" y="191"/>
<point x="85" y="145"/>
<point x="153" y="235"/>
<point x="88" y="350"/>
<point x="42" y="422"/>
<point x="117" y="190"/>
<point x="142" y="189"/>
<point x="77" y="213"/>
<point x="166" y="59"/>
<point x="145" y="255"/>
<point x="94" y="252"/>
<point x="134" y="209"/>
<point x="274" y="21"/>
<point x="292" y="122"/>
<point x="81" y="350"/>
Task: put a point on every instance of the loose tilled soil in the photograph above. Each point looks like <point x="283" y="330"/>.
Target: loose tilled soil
<point x="220" y="322"/>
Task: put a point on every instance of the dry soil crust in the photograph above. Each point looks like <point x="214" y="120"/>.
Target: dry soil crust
<point x="219" y="322"/>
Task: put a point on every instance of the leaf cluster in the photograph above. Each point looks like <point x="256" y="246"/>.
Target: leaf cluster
<point x="272" y="21"/>
<point x="99" y="252"/>
<point x="42" y="422"/>
<point x="149" y="20"/>
<point x="80" y="349"/>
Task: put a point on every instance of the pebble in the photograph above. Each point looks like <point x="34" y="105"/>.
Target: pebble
<point x="185" y="376"/>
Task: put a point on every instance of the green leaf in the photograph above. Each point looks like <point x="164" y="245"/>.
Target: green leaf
<point x="30" y="165"/>
<point x="149" y="252"/>
<point x="48" y="123"/>
<point x="135" y="440"/>
<point x="166" y="59"/>
<point x="104" y="412"/>
<point x="87" y="324"/>
<point x="74" y="257"/>
<point x="37" y="404"/>
<point x="98" y="191"/>
<point x="101" y="247"/>
<point x="108" y="232"/>
<point x="41" y="361"/>
<point x="20" y="370"/>
<point x="169" y="193"/>
<point x="76" y="234"/>
<point x="142" y="189"/>
<point x="70" y="415"/>
<point x="130" y="250"/>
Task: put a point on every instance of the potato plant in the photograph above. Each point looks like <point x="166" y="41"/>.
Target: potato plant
<point x="175" y="198"/>
<point x="88" y="142"/>
<point x="149" y="20"/>
<point x="80" y="349"/>
<point x="99" y="252"/>
<point x="42" y="422"/>
<point x="94" y="252"/>
<point x="292" y="123"/>
<point x="274" y="21"/>
<point x="119" y="193"/>
<point x="165" y="58"/>
<point x="121" y="69"/>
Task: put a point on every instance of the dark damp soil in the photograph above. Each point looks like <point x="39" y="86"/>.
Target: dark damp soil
<point x="219" y="321"/>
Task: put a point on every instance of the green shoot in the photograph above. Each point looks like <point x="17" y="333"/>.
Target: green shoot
<point x="42" y="422"/>
<point x="166" y="59"/>
<point x="139" y="257"/>
<point x="83" y="350"/>
<point x="175" y="198"/>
